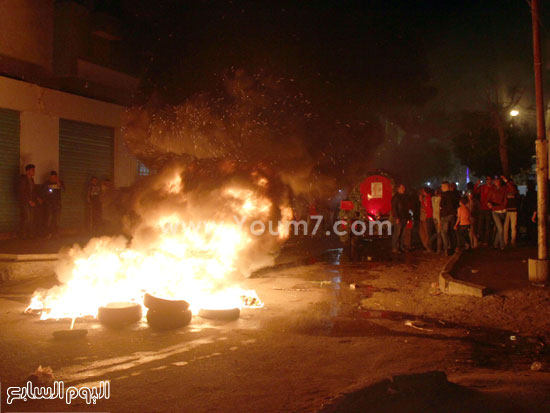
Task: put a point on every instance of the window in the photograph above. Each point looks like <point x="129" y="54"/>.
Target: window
<point x="142" y="170"/>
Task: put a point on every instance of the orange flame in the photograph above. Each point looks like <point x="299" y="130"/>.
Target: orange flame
<point x="194" y="261"/>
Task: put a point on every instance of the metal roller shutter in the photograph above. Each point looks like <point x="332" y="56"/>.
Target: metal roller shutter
<point x="85" y="150"/>
<point x="9" y="169"/>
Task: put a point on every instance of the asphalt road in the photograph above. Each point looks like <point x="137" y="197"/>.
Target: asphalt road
<point x="308" y="349"/>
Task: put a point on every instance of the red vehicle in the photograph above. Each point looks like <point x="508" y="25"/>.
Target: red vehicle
<point x="376" y="194"/>
<point x="370" y="200"/>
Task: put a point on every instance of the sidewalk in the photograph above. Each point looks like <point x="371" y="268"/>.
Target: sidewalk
<point x="40" y="245"/>
<point x="500" y="271"/>
<point x="513" y="302"/>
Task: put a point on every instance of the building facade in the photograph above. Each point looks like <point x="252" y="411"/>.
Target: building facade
<point x="63" y="89"/>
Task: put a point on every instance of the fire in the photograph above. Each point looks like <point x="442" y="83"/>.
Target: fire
<point x="180" y="258"/>
<point x="247" y="202"/>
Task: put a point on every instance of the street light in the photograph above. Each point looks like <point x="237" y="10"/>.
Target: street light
<point x="514" y="113"/>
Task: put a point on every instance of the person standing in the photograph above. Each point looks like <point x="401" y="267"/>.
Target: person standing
<point x="426" y="228"/>
<point x="485" y="213"/>
<point x="52" y="201"/>
<point x="400" y="213"/>
<point x="462" y="225"/>
<point x="436" y="237"/>
<point x="529" y="209"/>
<point x="473" y="206"/>
<point x="94" y="200"/>
<point x="512" y="205"/>
<point x="413" y="211"/>
<point x="28" y="201"/>
<point x="448" y="208"/>
<point x="497" y="202"/>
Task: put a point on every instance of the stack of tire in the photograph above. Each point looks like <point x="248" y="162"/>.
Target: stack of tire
<point x="165" y="314"/>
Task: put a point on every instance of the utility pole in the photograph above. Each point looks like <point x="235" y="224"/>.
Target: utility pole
<point x="538" y="269"/>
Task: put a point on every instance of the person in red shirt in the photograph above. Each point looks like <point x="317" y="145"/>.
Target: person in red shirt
<point x="426" y="228"/>
<point x="485" y="225"/>
<point x="463" y="223"/>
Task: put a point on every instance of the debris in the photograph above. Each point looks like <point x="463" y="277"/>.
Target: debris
<point x="475" y="271"/>
<point x="513" y="338"/>
<point x="370" y="288"/>
<point x="70" y="334"/>
<point x="42" y="376"/>
<point x="32" y="311"/>
<point x="410" y="323"/>
<point x="251" y="300"/>
<point x="536" y="366"/>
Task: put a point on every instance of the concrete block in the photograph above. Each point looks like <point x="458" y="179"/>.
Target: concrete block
<point x="452" y="286"/>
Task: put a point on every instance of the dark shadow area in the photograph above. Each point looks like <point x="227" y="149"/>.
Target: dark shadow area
<point x="421" y="392"/>
<point x="497" y="270"/>
<point x="486" y="347"/>
<point x="40" y="245"/>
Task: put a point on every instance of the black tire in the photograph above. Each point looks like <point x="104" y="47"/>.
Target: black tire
<point x="161" y="304"/>
<point x="168" y="320"/>
<point x="227" y="314"/>
<point x="70" y="334"/>
<point x="119" y="314"/>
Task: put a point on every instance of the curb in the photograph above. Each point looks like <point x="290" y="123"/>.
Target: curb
<point x="28" y="257"/>
<point x="450" y="285"/>
<point x="24" y="266"/>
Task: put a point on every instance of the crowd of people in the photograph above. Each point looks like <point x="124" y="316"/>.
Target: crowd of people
<point x="40" y="205"/>
<point x="486" y="214"/>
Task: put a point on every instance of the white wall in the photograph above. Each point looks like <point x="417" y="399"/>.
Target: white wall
<point x="41" y="110"/>
<point x="39" y="137"/>
<point x="125" y="169"/>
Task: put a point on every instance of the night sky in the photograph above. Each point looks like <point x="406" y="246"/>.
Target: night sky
<point x="363" y="48"/>
<point x="417" y="65"/>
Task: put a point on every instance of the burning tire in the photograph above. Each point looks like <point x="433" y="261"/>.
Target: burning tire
<point x="226" y="314"/>
<point x="168" y="320"/>
<point x="161" y="304"/>
<point x="119" y="314"/>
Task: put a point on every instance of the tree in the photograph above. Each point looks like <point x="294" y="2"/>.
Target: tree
<point x="499" y="111"/>
<point x="479" y="145"/>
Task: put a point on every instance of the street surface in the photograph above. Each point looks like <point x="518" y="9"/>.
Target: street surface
<point x="317" y="342"/>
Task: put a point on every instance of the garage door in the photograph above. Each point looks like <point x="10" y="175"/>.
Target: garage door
<point x="9" y="169"/>
<point x="85" y="150"/>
